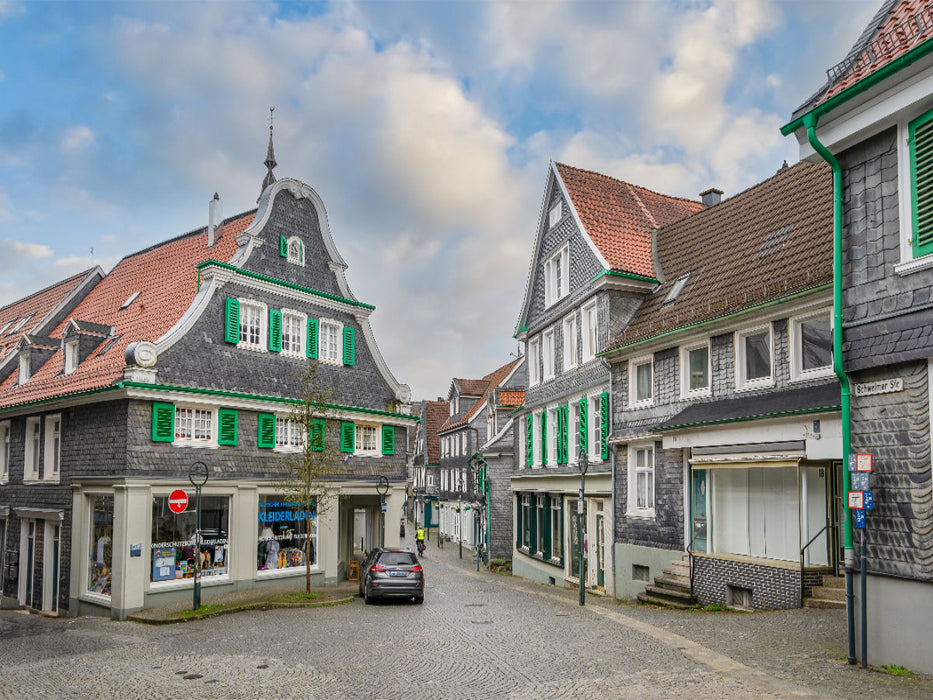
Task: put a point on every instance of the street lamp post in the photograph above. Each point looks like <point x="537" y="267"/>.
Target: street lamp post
<point x="584" y="462"/>
<point x="481" y="500"/>
<point x="459" y="516"/>
<point x="197" y="475"/>
<point x="382" y="488"/>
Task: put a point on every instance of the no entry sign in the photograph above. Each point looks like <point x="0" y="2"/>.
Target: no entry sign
<point x="178" y="501"/>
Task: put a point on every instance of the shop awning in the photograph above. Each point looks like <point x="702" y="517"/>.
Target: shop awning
<point x="744" y="462"/>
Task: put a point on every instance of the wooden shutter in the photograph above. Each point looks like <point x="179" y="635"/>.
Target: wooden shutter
<point x="163" y="422"/>
<point x="232" y="321"/>
<point x="228" y="420"/>
<point x="604" y="425"/>
<point x="275" y="330"/>
<point x="563" y="417"/>
<point x="582" y="433"/>
<point x="347" y="437"/>
<point x="529" y="440"/>
<point x="311" y="345"/>
<point x="543" y="438"/>
<point x="283" y="247"/>
<point x="317" y="436"/>
<point x="388" y="440"/>
<point x="266" y="430"/>
<point x="349" y="346"/>
<point x="921" y="181"/>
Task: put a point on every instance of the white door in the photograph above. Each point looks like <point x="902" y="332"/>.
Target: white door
<point x="51" y="560"/>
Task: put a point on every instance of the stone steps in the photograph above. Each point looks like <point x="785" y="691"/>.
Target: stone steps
<point x="666" y="602"/>
<point x="672" y="588"/>
<point x="830" y="596"/>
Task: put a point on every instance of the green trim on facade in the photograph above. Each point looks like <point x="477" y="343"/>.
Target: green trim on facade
<point x="624" y="275"/>
<point x="761" y="416"/>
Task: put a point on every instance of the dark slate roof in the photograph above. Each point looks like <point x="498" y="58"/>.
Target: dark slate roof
<point x="770" y="241"/>
<point x="487" y="384"/>
<point x="811" y="398"/>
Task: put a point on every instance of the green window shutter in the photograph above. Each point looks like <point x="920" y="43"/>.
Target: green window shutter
<point x="232" y="321"/>
<point x="283" y="247"/>
<point x="349" y="346"/>
<point x="543" y="438"/>
<point x="921" y="183"/>
<point x="604" y="425"/>
<point x="317" y="435"/>
<point x="563" y="415"/>
<point x="582" y="433"/>
<point x="388" y="440"/>
<point x="266" y="430"/>
<point x="275" y="330"/>
<point x="347" y="437"/>
<point x="311" y="345"/>
<point x="529" y="440"/>
<point x="227" y="418"/>
<point x="163" y="422"/>
<point x="546" y="524"/>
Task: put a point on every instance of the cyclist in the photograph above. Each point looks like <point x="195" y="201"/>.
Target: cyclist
<point x="420" y="538"/>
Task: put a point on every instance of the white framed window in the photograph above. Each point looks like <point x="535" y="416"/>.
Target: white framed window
<point x="811" y="346"/>
<point x="296" y="251"/>
<point x="588" y="331"/>
<point x="914" y="135"/>
<point x="547" y="353"/>
<point x="557" y="276"/>
<point x="542" y="533"/>
<point x="71" y="356"/>
<point x="533" y="352"/>
<point x="557" y="543"/>
<point x="252" y="325"/>
<point x="573" y="437"/>
<point x="554" y="215"/>
<point x="430" y="478"/>
<point x="594" y="427"/>
<point x="641" y="480"/>
<point x="329" y="342"/>
<point x="53" y="448"/>
<point x="754" y="352"/>
<point x="4" y="455"/>
<point x="695" y="370"/>
<point x="24" y="368"/>
<point x="570" y="341"/>
<point x="194" y="426"/>
<point x="31" y="456"/>
<point x="552" y="436"/>
<point x="535" y="440"/>
<point x="294" y="333"/>
<point x="366" y="442"/>
<point x="288" y="437"/>
<point x="641" y="381"/>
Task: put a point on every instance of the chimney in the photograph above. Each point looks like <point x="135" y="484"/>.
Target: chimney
<point x="711" y="197"/>
<point x="655" y="260"/>
<point x="215" y="216"/>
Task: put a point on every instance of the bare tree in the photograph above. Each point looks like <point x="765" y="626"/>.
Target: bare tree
<point x="306" y="481"/>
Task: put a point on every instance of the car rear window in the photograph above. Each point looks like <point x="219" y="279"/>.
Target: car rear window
<point x="397" y="559"/>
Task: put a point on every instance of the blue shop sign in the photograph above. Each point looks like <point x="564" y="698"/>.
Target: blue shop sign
<point x="859" y="519"/>
<point x="284" y="512"/>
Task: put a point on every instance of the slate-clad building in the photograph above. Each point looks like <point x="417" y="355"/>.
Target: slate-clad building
<point x="191" y="351"/>
<point x="427" y="462"/>
<point x="873" y="122"/>
<point x="591" y="265"/>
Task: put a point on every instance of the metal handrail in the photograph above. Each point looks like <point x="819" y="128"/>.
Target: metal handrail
<point x="689" y="551"/>
<point x="804" y="549"/>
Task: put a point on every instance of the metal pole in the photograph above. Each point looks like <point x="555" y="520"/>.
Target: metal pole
<point x="197" y="551"/>
<point x="460" y="524"/>
<point x="864" y="603"/>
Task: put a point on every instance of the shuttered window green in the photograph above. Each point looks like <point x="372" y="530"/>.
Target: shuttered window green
<point x="163" y="422"/>
<point x="275" y="330"/>
<point x="529" y="440"/>
<point x="563" y="433"/>
<point x="388" y="440"/>
<point x="347" y="437"/>
<point x="232" y="321"/>
<point x="317" y="435"/>
<point x="349" y="346"/>
<point x="604" y="425"/>
<point x="266" y="430"/>
<point x="228" y="420"/>
<point x="921" y="181"/>
<point x="543" y="438"/>
<point x="582" y="431"/>
<point x="311" y="345"/>
<point x="283" y="246"/>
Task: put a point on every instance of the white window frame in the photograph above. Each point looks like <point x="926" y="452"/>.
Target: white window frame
<point x="589" y="331"/>
<point x="547" y="353"/>
<point x="31" y="449"/>
<point x="196" y="409"/>
<point x="685" y="391"/>
<point x="5" y="442"/>
<point x="288" y="435"/>
<point x="536" y="440"/>
<point x="24" y="373"/>
<point x="71" y="356"/>
<point x="795" y="339"/>
<point x="552" y="436"/>
<point x="634" y="471"/>
<point x="322" y="356"/>
<point x="298" y="259"/>
<point x="534" y="346"/>
<point x="52" y="454"/>
<point x="362" y="432"/>
<point x="302" y="321"/>
<point x="741" y="382"/>
<point x="633" y="366"/>
<point x="569" y="333"/>
<point x="263" y="310"/>
<point x="555" y="214"/>
<point x="594" y="428"/>
<point x="557" y="276"/>
<point x="908" y="263"/>
<point x="573" y="432"/>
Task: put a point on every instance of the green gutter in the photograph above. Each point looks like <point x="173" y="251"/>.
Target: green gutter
<point x="717" y="319"/>
<point x="760" y="416"/>
<point x="915" y="54"/>
<point x="280" y="283"/>
<point x="624" y="275"/>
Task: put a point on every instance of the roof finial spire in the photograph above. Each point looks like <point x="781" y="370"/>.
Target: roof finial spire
<point x="270" y="156"/>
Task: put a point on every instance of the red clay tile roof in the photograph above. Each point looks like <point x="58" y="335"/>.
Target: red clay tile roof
<point x="771" y="240"/>
<point x="490" y="382"/>
<point x="38" y="304"/>
<point x="618" y="217"/>
<point x="471" y="387"/>
<point x="435" y="413"/>
<point x="511" y="398"/>
<point x="166" y="275"/>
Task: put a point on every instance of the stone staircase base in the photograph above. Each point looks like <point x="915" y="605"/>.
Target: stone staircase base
<point x="831" y="595"/>
<point x="672" y="588"/>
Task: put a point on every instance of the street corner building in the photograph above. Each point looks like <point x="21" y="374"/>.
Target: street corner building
<point x="189" y="351"/>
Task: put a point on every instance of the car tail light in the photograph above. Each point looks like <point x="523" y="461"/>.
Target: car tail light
<point x="416" y="567"/>
<point x="377" y="567"/>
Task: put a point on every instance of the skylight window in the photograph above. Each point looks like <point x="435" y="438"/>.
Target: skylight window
<point x="108" y="345"/>
<point x="130" y="300"/>
<point x="676" y="289"/>
<point x="21" y="323"/>
<point x="8" y="324"/>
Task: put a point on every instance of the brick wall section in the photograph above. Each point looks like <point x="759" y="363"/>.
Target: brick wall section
<point x="772" y="588"/>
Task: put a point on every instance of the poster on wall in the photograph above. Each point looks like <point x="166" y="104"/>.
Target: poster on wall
<point x="163" y="564"/>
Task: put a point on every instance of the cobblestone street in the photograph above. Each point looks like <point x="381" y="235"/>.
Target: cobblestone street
<point x="477" y="635"/>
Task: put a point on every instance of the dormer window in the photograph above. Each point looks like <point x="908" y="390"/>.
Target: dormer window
<point x="292" y="249"/>
<point x="24" y="372"/>
<point x="129" y="300"/>
<point x="71" y="356"/>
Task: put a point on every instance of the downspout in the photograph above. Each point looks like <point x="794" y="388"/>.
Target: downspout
<point x="809" y="121"/>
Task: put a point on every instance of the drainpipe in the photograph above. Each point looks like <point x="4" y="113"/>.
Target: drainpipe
<point x="809" y="121"/>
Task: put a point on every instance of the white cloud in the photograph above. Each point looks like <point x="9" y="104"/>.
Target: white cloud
<point x="77" y="138"/>
<point x="13" y="251"/>
<point x="83" y="200"/>
<point x="70" y="265"/>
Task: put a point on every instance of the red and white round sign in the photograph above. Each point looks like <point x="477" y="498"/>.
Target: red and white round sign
<point x="178" y="501"/>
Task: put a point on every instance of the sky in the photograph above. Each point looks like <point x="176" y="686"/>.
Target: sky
<point x="426" y="127"/>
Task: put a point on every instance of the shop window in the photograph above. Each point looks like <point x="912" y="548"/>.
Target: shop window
<point x="175" y="549"/>
<point x="540" y="522"/>
<point x="100" y="546"/>
<point x="287" y="535"/>
<point x="557" y="535"/>
<point x="526" y="521"/>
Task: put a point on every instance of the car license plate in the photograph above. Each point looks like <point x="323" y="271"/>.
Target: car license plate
<point x="396" y="573"/>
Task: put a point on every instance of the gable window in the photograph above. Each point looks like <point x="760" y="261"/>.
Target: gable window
<point x="641" y="481"/>
<point x="296" y="251"/>
<point x="641" y="381"/>
<point x="557" y="276"/>
<point x="329" y="342"/>
<point x="194" y="426"/>
<point x="252" y="325"/>
<point x="570" y="342"/>
<point x="555" y="215"/>
<point x="811" y="340"/>
<point x="547" y="353"/>
<point x="71" y="356"/>
<point x="695" y="370"/>
<point x="533" y="375"/>
<point x="24" y="367"/>
<point x="4" y="455"/>
<point x="31" y="461"/>
<point x="53" y="447"/>
<point x="293" y="333"/>
<point x="754" y="367"/>
<point x="588" y="328"/>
